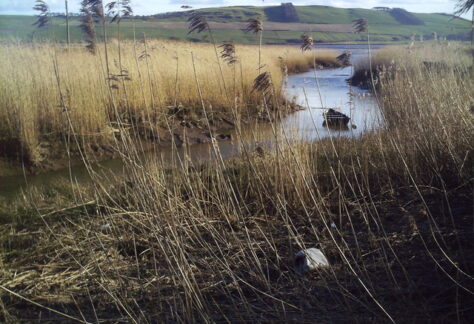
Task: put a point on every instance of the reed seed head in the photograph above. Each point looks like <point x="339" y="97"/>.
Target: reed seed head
<point x="88" y="27"/>
<point x="118" y="10"/>
<point x="197" y="22"/>
<point x="43" y="14"/>
<point x="263" y="83"/>
<point x="307" y="42"/>
<point x="463" y="6"/>
<point x="228" y="53"/>
<point x="360" y="25"/>
<point x="95" y="6"/>
<point x="254" y="25"/>
<point x="143" y="55"/>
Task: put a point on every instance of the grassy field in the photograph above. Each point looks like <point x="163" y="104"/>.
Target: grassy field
<point x="19" y="27"/>
<point x="49" y="93"/>
<point x="392" y="210"/>
<point x="383" y="26"/>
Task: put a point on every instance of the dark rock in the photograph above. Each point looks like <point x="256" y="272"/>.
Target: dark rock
<point x="335" y="118"/>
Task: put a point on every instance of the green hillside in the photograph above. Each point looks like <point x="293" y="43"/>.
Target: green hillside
<point x="384" y="26"/>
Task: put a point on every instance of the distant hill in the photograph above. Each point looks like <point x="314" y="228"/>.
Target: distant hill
<point x="404" y="17"/>
<point x="284" y="13"/>
<point x="282" y="24"/>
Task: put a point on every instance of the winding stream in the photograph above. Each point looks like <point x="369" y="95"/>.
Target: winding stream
<point x="303" y="125"/>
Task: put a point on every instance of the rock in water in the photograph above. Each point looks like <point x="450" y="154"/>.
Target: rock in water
<point x="334" y="118"/>
<point x="310" y="259"/>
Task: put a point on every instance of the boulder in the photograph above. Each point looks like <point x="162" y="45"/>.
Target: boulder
<point x="310" y="259"/>
<point x="335" y="118"/>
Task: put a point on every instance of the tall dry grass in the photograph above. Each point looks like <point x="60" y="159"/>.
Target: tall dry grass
<point x="298" y="62"/>
<point x="391" y="210"/>
<point x="40" y="82"/>
<point x="453" y="56"/>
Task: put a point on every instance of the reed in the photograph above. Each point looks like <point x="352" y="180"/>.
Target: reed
<point x="255" y="26"/>
<point x="144" y="82"/>
<point x="392" y="210"/>
<point x="415" y="58"/>
<point x="299" y="62"/>
<point x="88" y="27"/>
<point x="43" y="14"/>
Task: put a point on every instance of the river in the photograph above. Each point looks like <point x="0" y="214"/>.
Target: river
<point x="314" y="90"/>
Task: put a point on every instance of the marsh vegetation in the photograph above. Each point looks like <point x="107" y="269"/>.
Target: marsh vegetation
<point x="48" y="93"/>
<point x="391" y="209"/>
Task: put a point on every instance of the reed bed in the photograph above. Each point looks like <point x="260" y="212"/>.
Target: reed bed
<point x="392" y="210"/>
<point x="297" y="62"/>
<point x="49" y="93"/>
<point x="418" y="57"/>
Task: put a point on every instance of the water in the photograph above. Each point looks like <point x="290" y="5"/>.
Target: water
<point x="305" y="125"/>
<point x="334" y="91"/>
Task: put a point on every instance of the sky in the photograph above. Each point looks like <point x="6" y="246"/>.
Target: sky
<point x="147" y="7"/>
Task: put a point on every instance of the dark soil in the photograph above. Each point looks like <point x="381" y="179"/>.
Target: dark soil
<point x="401" y="257"/>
